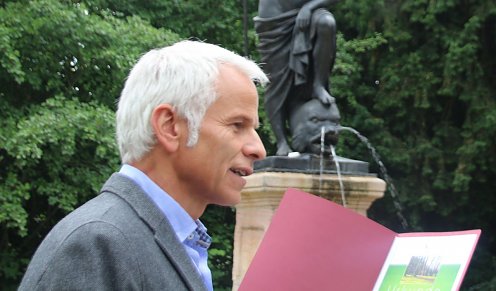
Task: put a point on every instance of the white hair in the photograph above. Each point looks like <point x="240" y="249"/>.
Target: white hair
<point x="182" y="75"/>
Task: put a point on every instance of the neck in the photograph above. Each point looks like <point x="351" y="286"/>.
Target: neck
<point x="162" y="174"/>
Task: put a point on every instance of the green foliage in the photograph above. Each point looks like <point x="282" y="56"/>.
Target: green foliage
<point x="61" y="70"/>
<point x="218" y="22"/>
<point x="49" y="137"/>
<point x="220" y="222"/>
<point x="423" y="93"/>
<point x="57" y="48"/>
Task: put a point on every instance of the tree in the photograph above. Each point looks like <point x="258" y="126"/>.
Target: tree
<point x="425" y="98"/>
<point x="218" y="22"/>
<point x="61" y="70"/>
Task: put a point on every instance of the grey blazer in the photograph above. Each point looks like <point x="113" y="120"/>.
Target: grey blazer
<point x="119" y="240"/>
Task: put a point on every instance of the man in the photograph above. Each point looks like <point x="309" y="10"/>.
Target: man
<point x="298" y="48"/>
<point x="185" y="126"/>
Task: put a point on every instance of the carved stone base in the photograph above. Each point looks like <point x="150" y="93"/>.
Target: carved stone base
<point x="263" y="193"/>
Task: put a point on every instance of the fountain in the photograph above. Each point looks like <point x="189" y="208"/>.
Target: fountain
<point x="384" y="175"/>
<point x="305" y="120"/>
<point x="342" y="180"/>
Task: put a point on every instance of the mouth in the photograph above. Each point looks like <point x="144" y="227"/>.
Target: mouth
<point x="330" y="136"/>
<point x="242" y="172"/>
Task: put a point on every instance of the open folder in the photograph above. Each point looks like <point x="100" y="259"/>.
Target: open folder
<point x="316" y="244"/>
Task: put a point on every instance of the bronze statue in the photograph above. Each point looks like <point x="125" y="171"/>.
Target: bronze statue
<point x="298" y="48"/>
<point x="306" y="123"/>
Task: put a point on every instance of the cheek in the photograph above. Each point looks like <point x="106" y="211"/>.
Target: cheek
<point x="222" y="144"/>
<point x="214" y="156"/>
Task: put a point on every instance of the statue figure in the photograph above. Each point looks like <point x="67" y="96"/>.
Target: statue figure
<point x="306" y="123"/>
<point x="298" y="49"/>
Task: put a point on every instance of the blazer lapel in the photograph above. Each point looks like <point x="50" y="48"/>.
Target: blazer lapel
<point x="163" y="232"/>
<point x="178" y="256"/>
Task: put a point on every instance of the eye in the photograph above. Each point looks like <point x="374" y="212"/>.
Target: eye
<point x="238" y="125"/>
<point x="314" y="119"/>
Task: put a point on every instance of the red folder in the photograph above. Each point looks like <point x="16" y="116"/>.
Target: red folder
<point x="316" y="244"/>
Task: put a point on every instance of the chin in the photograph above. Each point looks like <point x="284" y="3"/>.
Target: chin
<point x="230" y="199"/>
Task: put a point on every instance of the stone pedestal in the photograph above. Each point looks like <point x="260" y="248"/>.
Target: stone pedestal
<point x="264" y="191"/>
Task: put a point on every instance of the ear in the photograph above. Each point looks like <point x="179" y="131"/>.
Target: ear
<point x="165" y="123"/>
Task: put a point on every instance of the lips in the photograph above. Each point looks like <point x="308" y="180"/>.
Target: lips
<point x="242" y="172"/>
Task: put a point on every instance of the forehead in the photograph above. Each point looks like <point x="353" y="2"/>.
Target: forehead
<point x="237" y="94"/>
<point x="233" y="79"/>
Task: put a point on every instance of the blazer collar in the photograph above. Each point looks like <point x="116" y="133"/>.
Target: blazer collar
<point x="125" y="188"/>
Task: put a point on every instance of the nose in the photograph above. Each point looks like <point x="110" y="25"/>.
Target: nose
<point x="254" y="148"/>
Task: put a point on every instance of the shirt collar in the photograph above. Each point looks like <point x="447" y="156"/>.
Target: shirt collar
<point x="180" y="220"/>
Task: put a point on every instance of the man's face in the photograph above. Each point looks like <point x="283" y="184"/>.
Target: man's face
<point x="213" y="170"/>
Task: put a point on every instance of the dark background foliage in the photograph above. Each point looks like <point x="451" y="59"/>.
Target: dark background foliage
<point x="414" y="76"/>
